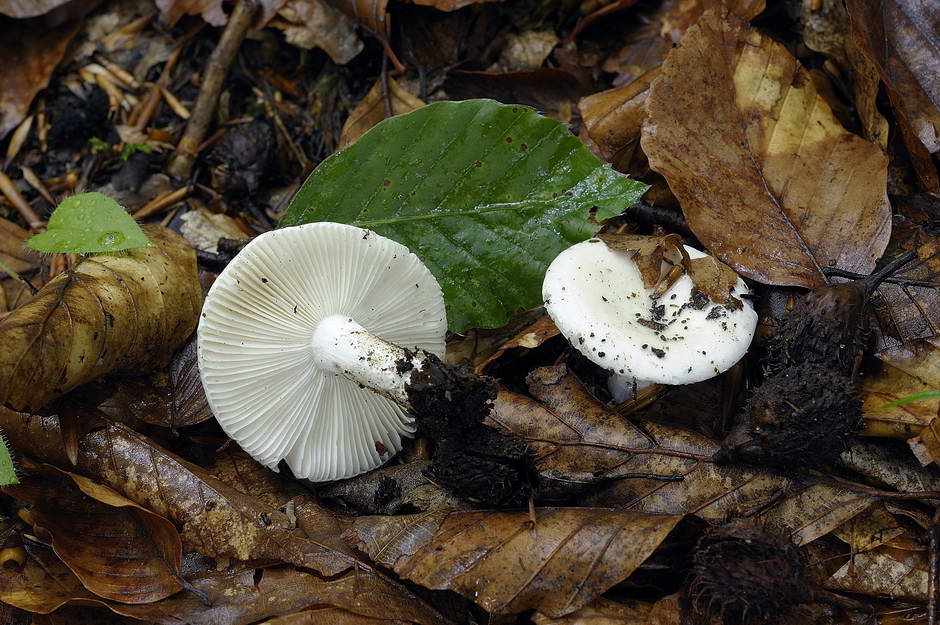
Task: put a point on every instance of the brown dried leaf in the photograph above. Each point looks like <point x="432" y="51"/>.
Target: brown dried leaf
<point x="374" y="108"/>
<point x="216" y="519"/>
<point x="21" y="9"/>
<point x="602" y="612"/>
<point x="552" y="92"/>
<point x="117" y="549"/>
<point x="768" y="179"/>
<point x="506" y="564"/>
<point x="211" y="10"/>
<point x="29" y="54"/>
<point x="317" y="24"/>
<point x="873" y="528"/>
<point x="683" y="14"/>
<point x="614" y="119"/>
<point x="883" y="465"/>
<point x="578" y="441"/>
<point x="13" y="253"/>
<point x="715" y="279"/>
<point x="901" y="38"/>
<point x="43" y="584"/>
<point x="529" y="337"/>
<point x="905" y="370"/>
<point x="885" y="572"/>
<point x="826" y="29"/>
<point x="910" y="312"/>
<point x="450" y="5"/>
<point x="372" y="14"/>
<point x="112" y="314"/>
<point x="329" y="616"/>
<point x="649" y="252"/>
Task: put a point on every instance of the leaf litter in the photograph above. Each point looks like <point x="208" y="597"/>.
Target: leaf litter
<point x="794" y="142"/>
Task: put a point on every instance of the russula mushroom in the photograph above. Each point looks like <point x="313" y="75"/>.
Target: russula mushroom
<point x="307" y="341"/>
<point x="597" y="298"/>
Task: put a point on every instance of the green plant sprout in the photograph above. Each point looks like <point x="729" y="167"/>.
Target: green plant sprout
<point x="7" y="468"/>
<point x="89" y="223"/>
<point x="915" y="397"/>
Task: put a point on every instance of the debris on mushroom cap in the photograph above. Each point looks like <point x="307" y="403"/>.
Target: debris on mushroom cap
<point x="259" y="369"/>
<point x="597" y="298"/>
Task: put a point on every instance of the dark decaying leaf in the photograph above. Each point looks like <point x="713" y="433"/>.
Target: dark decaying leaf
<point x="507" y="564"/>
<point x="601" y="612"/>
<point x="29" y="55"/>
<point x="907" y="312"/>
<point x="330" y="616"/>
<point x="22" y="9"/>
<point x="654" y="467"/>
<point x="768" y="179"/>
<point x="117" y="549"/>
<point x="13" y="253"/>
<point x="552" y="92"/>
<point x="43" y="583"/>
<point x="887" y="572"/>
<point x="901" y="38"/>
<point x="172" y="399"/>
<point x="217" y="519"/>
<point x="112" y="314"/>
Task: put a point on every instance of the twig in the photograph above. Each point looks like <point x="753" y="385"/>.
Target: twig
<point x="183" y="159"/>
<point x="160" y="202"/>
<point x="19" y="202"/>
<point x="932" y="580"/>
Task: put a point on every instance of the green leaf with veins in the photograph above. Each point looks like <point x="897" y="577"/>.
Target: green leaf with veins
<point x="86" y="223"/>
<point x="485" y="194"/>
<point x="7" y="469"/>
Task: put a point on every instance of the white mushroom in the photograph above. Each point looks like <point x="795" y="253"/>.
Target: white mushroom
<point x="596" y="297"/>
<point x="302" y="347"/>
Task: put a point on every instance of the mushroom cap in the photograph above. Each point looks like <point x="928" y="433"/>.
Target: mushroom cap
<point x="255" y="355"/>
<point x="596" y="297"/>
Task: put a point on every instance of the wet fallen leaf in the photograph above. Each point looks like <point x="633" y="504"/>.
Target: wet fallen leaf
<point x="381" y="491"/>
<point x="374" y="107"/>
<point x="553" y="92"/>
<point x="804" y="193"/>
<point x="506" y="564"/>
<point x="43" y="583"/>
<point x="317" y="24"/>
<point x="172" y="399"/>
<point x="531" y="336"/>
<point x="525" y="51"/>
<point x="873" y="528"/>
<point x="12" y="252"/>
<point x="882" y="465"/>
<point x="29" y="54"/>
<point x="614" y="119"/>
<point x="122" y="314"/>
<point x="218" y="520"/>
<point x="117" y="549"/>
<point x="905" y="370"/>
<point x="21" y="9"/>
<point x="884" y="572"/>
<point x="683" y="14"/>
<point x="654" y="467"/>
<point x="900" y="37"/>
<point x="666" y="611"/>
<point x="826" y="29"/>
<point x="329" y="616"/>
<point x="601" y="612"/>
<point x="909" y="312"/>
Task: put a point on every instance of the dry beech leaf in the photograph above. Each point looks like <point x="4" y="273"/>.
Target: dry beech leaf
<point x="905" y="370"/>
<point x="216" y="519"/>
<point x="909" y="312"/>
<point x="112" y="314"/>
<point x="13" y="253"/>
<point x="826" y="29"/>
<point x="883" y="465"/>
<point x="504" y="563"/>
<point x="551" y="91"/>
<point x="529" y="337"/>
<point x="683" y="14"/>
<point x="245" y="474"/>
<point x="768" y="179"/>
<point x="29" y="54"/>
<point x="577" y="442"/>
<point x="450" y="5"/>
<point x="329" y="616"/>
<point x="318" y="24"/>
<point x="649" y="252"/>
<point x="666" y="611"/>
<point x="900" y="37"/>
<point x="117" y="549"/>
<point x="381" y="491"/>
<point x="614" y="119"/>
<point x="373" y="108"/>
<point x="601" y="612"/>
<point x="43" y="583"/>
<point x="372" y="14"/>
<point x="884" y="572"/>
<point x="21" y="9"/>
<point x="873" y="528"/>
<point x="172" y="399"/>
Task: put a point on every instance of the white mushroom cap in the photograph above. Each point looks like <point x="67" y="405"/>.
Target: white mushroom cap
<point x="596" y="297"/>
<point x="256" y="359"/>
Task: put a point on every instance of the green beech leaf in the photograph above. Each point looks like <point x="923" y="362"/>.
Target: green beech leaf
<point x="485" y="194"/>
<point x="86" y="223"/>
<point x="7" y="470"/>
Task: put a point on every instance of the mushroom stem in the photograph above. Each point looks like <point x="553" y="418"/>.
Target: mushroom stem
<point x="343" y="347"/>
<point x="623" y="387"/>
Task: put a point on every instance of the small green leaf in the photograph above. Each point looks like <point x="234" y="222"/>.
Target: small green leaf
<point x="131" y="148"/>
<point x="7" y="469"/>
<point x="98" y="145"/>
<point x="914" y="397"/>
<point x="485" y="194"/>
<point x="89" y="222"/>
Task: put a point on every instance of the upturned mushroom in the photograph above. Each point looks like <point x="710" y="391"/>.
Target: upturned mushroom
<point x="307" y="342"/>
<point x="670" y="333"/>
